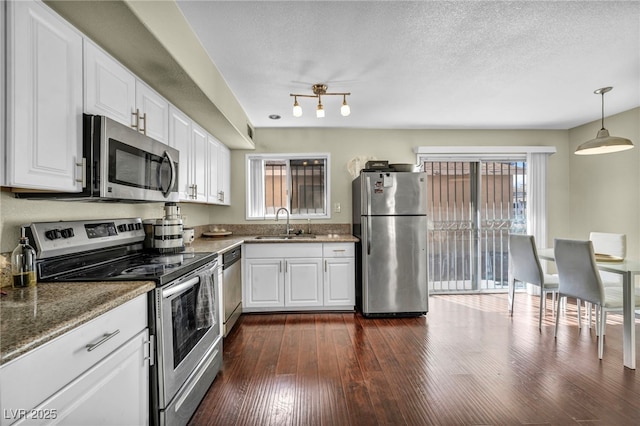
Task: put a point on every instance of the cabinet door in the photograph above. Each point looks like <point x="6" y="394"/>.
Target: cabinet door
<point x="224" y="175"/>
<point x="44" y="91"/>
<point x="263" y="284"/>
<point x="303" y="282"/>
<point x="154" y="113"/>
<point x="109" y="88"/>
<point x="114" y="391"/>
<point x="198" y="161"/>
<point x="213" y="196"/>
<point x="3" y="176"/>
<point x="339" y="281"/>
<point x="180" y="138"/>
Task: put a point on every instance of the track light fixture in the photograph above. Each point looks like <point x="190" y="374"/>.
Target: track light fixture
<point x="320" y="90"/>
<point x="603" y="143"/>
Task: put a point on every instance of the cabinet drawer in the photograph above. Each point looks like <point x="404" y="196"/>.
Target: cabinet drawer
<point x="280" y="250"/>
<point x="338" y="250"/>
<point x="40" y="373"/>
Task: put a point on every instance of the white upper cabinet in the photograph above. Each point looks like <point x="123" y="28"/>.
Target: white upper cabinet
<point x="213" y="193"/>
<point x="224" y="175"/>
<point x="109" y="88"/>
<point x="153" y="113"/>
<point x="180" y="138"/>
<point x="204" y="161"/>
<point x="44" y="99"/>
<point x="219" y="167"/>
<point x="198" y="163"/>
<point x="112" y="90"/>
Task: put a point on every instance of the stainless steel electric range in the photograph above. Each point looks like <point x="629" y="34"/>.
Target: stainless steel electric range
<point x="183" y="309"/>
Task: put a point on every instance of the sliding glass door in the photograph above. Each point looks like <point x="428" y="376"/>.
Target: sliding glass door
<point x="473" y="205"/>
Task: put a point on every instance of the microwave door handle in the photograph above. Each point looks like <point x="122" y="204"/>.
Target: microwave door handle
<point x="173" y="174"/>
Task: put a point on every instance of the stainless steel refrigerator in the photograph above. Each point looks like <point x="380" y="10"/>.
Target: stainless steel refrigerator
<point x="390" y="219"/>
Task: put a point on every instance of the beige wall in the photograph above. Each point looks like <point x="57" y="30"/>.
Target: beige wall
<point x="397" y="146"/>
<point x="15" y="212"/>
<point x="585" y="193"/>
<point x="605" y="189"/>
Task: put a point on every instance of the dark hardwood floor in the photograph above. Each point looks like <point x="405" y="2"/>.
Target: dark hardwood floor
<point x="466" y="363"/>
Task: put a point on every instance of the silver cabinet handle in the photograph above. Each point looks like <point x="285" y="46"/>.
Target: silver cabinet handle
<point x="107" y="336"/>
<point x="136" y="123"/>
<point x="151" y="342"/>
<point x="279" y="265"/>
<point x="325" y="265"/>
<point x="83" y="172"/>
<point x="144" y="118"/>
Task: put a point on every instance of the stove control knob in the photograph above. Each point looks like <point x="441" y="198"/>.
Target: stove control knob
<point x="130" y="227"/>
<point x="52" y="234"/>
<point x="122" y="227"/>
<point x="67" y="233"/>
<point x="138" y="226"/>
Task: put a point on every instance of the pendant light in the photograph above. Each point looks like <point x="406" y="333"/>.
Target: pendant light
<point x="603" y="143"/>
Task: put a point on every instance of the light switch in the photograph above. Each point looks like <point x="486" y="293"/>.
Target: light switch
<point x="337" y="207"/>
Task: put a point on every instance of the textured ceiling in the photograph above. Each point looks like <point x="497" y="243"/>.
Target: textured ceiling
<point x="426" y="65"/>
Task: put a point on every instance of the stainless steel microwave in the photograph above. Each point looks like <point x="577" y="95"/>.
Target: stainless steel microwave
<point x="121" y="164"/>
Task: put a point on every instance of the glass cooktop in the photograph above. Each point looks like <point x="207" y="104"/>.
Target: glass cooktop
<point x="161" y="268"/>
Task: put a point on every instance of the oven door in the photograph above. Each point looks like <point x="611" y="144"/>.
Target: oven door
<point x="188" y="326"/>
<point x="136" y="166"/>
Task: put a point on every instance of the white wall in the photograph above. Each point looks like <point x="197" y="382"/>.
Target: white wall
<point x="605" y="189"/>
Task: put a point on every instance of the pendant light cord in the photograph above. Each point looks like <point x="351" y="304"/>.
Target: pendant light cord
<point x="602" y="111"/>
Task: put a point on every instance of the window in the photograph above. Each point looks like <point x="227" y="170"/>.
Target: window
<point x="297" y="182"/>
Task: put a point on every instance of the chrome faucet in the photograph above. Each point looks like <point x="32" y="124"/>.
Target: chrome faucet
<point x="278" y="212"/>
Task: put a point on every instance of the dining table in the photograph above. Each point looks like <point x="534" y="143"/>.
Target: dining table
<point x="628" y="269"/>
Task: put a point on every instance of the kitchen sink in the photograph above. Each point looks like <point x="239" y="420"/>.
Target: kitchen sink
<point x="285" y="237"/>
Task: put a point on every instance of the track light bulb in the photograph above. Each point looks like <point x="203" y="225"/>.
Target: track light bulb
<point x="297" y="109"/>
<point x="345" y="109"/>
<point x="320" y="109"/>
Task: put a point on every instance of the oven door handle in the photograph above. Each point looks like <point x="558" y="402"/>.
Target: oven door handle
<point x="180" y="287"/>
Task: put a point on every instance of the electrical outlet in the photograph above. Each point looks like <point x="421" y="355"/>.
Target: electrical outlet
<point x="337" y="207"/>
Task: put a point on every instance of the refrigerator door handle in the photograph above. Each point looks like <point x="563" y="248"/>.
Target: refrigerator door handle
<point x="368" y="195"/>
<point x="368" y="219"/>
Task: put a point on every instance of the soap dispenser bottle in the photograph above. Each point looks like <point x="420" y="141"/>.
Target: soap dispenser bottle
<point x="23" y="264"/>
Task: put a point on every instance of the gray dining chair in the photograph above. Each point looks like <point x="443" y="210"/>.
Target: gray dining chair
<point x="524" y="266"/>
<point x="611" y="244"/>
<point x="580" y="278"/>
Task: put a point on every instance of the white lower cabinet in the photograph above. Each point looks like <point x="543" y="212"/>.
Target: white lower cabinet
<point x="263" y="283"/>
<point x="96" y="374"/>
<point x="297" y="276"/>
<point x="303" y="282"/>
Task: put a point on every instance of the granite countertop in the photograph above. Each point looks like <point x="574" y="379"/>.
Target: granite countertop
<point x="31" y="317"/>
<point x="222" y="244"/>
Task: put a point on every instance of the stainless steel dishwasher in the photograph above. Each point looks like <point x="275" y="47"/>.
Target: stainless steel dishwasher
<point x="231" y="288"/>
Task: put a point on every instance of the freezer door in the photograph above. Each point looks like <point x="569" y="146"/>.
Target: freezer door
<point x="394" y="262"/>
<point x="394" y="193"/>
